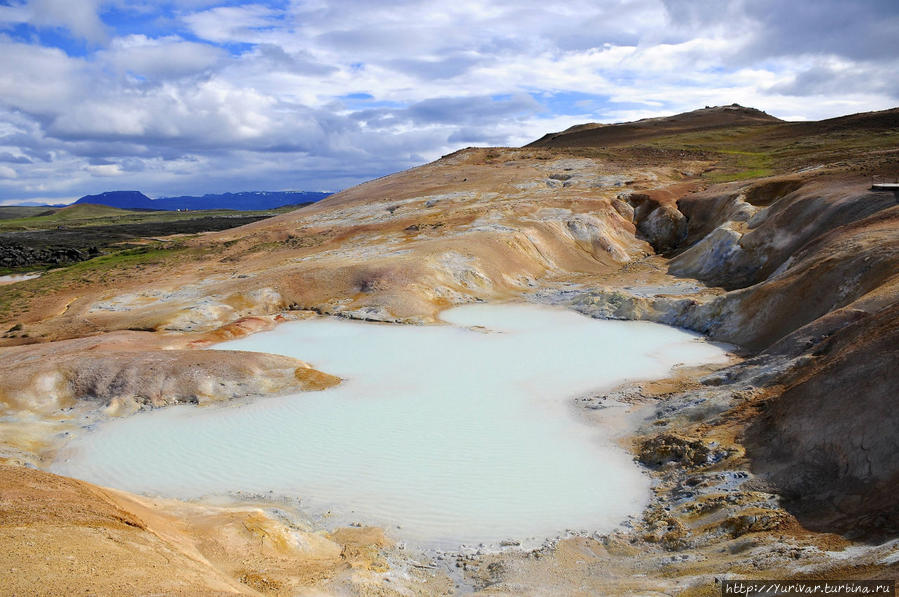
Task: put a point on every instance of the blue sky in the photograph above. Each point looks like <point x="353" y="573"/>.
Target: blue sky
<point x="202" y="96"/>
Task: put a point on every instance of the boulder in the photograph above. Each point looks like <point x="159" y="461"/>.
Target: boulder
<point x="666" y="448"/>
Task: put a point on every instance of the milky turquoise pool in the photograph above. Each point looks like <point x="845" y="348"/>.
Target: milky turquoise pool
<point x="452" y="433"/>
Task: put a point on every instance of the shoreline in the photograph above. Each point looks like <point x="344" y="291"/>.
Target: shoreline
<point x="658" y="534"/>
<point x="613" y="427"/>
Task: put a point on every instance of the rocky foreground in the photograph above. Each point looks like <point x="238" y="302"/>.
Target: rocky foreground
<point x="756" y="232"/>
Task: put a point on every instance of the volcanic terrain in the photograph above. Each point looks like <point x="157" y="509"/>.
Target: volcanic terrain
<point x="753" y="231"/>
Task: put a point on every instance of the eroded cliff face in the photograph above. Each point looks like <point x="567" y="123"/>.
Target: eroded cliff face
<point x="817" y="250"/>
<point x="812" y="269"/>
<point x="829" y="441"/>
<point x="815" y="265"/>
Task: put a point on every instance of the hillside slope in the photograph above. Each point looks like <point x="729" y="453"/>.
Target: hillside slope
<point x="608" y="135"/>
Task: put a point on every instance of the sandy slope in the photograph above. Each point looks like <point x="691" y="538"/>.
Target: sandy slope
<point x="73" y="538"/>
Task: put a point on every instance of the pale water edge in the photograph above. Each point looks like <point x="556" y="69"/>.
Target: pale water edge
<point x="13" y="278"/>
<point x="453" y="433"/>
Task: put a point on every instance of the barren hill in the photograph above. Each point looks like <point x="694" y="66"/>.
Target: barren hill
<point x="607" y="135"/>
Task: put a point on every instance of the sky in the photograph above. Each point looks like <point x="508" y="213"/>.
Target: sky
<point x="207" y="96"/>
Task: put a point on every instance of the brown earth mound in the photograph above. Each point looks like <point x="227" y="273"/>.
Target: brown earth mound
<point x="597" y="135"/>
<point x="63" y="536"/>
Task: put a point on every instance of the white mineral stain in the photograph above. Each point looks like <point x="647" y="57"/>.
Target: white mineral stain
<point x="13" y="278"/>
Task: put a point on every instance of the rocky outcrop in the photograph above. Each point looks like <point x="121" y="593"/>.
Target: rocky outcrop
<point x="738" y="239"/>
<point x="667" y="448"/>
<point x="754" y="521"/>
<point x="665" y="227"/>
<point x="15" y="256"/>
<point x="122" y="381"/>
<point x="706" y="258"/>
<point x="659" y="223"/>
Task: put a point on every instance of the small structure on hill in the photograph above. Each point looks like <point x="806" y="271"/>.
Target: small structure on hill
<point x="884" y="183"/>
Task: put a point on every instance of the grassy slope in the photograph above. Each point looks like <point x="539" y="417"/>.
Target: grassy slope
<point x="110" y="269"/>
<point x="10" y="212"/>
<point x="112" y="229"/>
<point x="752" y="152"/>
<point x="87" y="214"/>
<point x="864" y="143"/>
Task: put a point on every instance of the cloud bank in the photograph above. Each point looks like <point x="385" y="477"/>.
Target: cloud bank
<point x="211" y="96"/>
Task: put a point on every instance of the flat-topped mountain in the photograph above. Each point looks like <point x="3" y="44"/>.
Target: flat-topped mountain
<point x="120" y="200"/>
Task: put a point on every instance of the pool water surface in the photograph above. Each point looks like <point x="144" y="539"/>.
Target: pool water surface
<point x="444" y="434"/>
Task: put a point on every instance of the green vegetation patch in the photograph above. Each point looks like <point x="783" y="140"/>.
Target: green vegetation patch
<point x="744" y="165"/>
<point x="105" y="269"/>
<point x="10" y="212"/>
<point x="87" y="214"/>
<point x="80" y="232"/>
<point x="750" y="152"/>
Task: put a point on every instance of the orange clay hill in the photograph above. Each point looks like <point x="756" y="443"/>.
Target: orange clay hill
<point x="751" y="230"/>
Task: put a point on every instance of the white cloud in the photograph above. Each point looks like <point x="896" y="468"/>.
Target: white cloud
<point x="105" y="170"/>
<point x="14" y="14"/>
<point x="159" y="58"/>
<point x="321" y="94"/>
<point x="78" y="16"/>
<point x="232" y="23"/>
<point x="39" y="80"/>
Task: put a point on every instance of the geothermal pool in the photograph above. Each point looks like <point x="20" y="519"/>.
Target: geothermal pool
<point x="448" y="434"/>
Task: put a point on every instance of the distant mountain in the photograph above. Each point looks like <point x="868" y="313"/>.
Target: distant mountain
<point x="243" y="201"/>
<point x="247" y="201"/>
<point x="36" y="204"/>
<point x="121" y="199"/>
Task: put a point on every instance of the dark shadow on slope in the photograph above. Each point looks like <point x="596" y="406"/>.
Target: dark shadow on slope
<point x="829" y="442"/>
